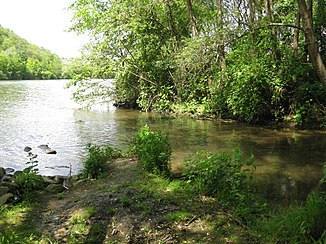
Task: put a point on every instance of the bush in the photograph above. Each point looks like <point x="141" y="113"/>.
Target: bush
<point x="298" y="224"/>
<point x="219" y="174"/>
<point x="29" y="182"/>
<point x="95" y="163"/>
<point x="153" y="150"/>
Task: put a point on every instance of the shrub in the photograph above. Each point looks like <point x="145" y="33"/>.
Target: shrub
<point x="298" y="224"/>
<point x="95" y="163"/>
<point x="29" y="180"/>
<point x="219" y="174"/>
<point x="153" y="150"/>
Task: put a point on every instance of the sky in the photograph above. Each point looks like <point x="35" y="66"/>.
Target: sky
<point x="43" y="23"/>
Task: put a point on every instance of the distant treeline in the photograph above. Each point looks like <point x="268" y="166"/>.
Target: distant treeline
<point x="22" y="60"/>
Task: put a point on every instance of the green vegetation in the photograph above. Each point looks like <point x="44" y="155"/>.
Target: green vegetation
<point x="210" y="58"/>
<point x="96" y="161"/>
<point x="153" y="151"/>
<point x="20" y="60"/>
<point x="212" y="202"/>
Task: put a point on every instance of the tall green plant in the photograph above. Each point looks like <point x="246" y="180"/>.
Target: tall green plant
<point x="154" y="151"/>
<point x="96" y="162"/>
<point x="219" y="174"/>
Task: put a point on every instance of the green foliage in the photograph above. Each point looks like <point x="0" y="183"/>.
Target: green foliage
<point x="22" y="60"/>
<point x="96" y="162"/>
<point x="298" y="224"/>
<point x="221" y="175"/>
<point x="29" y="180"/>
<point x="240" y="66"/>
<point x="153" y="150"/>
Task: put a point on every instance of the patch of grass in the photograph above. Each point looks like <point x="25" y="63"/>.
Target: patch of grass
<point x="145" y="208"/>
<point x="126" y="201"/>
<point x="112" y="210"/>
<point x="178" y="216"/>
<point x="297" y="224"/>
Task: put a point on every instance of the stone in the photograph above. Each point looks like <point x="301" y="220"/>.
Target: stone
<point x="3" y="190"/>
<point x="9" y="170"/>
<point x="2" y="172"/>
<point x="27" y="149"/>
<point x="49" y="180"/>
<point x="13" y="188"/>
<point x="7" y="178"/>
<point x="55" y="188"/>
<point x="50" y="151"/>
<point x="9" y="197"/>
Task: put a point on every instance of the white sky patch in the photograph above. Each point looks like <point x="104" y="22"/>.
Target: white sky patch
<point x="43" y="23"/>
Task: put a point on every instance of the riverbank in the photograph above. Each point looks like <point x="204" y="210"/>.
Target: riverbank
<point x="129" y="205"/>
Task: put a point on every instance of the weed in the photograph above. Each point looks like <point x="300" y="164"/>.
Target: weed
<point x="220" y="174"/>
<point x="95" y="163"/>
<point x="178" y="216"/>
<point x="153" y="150"/>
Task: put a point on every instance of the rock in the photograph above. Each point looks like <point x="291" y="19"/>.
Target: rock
<point x="13" y="188"/>
<point x="7" y="178"/>
<point x="9" y="170"/>
<point x="44" y="146"/>
<point x="50" y="151"/>
<point x="60" y="179"/>
<point x="47" y="149"/>
<point x="55" y="188"/>
<point x="49" y="180"/>
<point x="9" y="197"/>
<point x="27" y="149"/>
<point x="3" y="190"/>
<point x="2" y="172"/>
<point x="67" y="183"/>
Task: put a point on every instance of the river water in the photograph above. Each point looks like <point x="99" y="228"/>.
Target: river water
<point x="289" y="162"/>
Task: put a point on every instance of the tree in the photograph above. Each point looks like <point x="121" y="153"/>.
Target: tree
<point x="313" y="50"/>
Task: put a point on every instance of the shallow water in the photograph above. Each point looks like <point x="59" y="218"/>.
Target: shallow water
<point x="288" y="162"/>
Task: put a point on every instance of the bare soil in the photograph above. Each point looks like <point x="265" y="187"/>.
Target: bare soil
<point x="130" y="206"/>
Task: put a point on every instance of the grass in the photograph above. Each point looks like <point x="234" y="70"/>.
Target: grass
<point x="158" y="207"/>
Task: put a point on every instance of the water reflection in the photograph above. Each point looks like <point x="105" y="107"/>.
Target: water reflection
<point x="288" y="162"/>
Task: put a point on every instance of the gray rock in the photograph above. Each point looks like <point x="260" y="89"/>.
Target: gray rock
<point x="3" y="190"/>
<point x="43" y="146"/>
<point x="55" y="188"/>
<point x="2" y="172"/>
<point x="8" y="178"/>
<point x="47" y="149"/>
<point x="49" y="180"/>
<point x="50" y="151"/>
<point x="9" y="170"/>
<point x="27" y="149"/>
<point x="13" y="188"/>
<point x="9" y="197"/>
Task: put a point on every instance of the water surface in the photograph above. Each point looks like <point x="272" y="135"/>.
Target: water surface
<point x="288" y="162"/>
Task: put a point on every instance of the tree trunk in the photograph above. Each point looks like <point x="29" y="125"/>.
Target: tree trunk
<point x="170" y="18"/>
<point x="296" y="35"/>
<point x="194" y="31"/>
<point x="220" y="39"/>
<point x="314" y="55"/>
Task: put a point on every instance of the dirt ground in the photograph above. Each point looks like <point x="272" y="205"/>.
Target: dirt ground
<point x="130" y="206"/>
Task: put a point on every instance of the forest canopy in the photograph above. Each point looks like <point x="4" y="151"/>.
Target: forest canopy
<point x="253" y="60"/>
<point x="22" y="60"/>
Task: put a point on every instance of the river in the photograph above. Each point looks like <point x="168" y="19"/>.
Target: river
<point x="289" y="162"/>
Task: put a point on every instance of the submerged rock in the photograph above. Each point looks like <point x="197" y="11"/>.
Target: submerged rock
<point x="27" y="149"/>
<point x="47" y="149"/>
